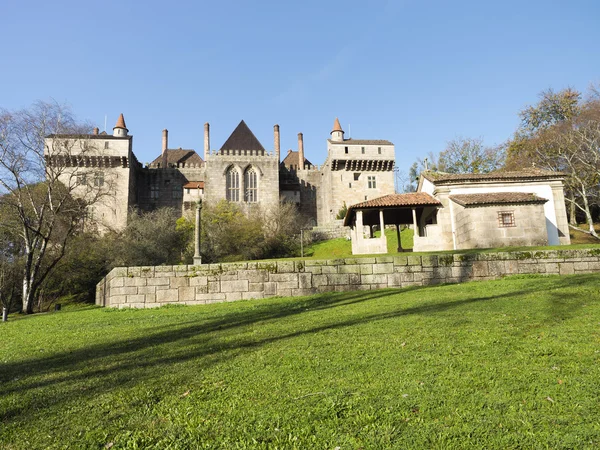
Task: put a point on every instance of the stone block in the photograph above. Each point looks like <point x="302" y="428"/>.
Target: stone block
<point x="214" y="286"/>
<point x="233" y="296"/>
<point x="270" y="288"/>
<point x="115" y="300"/>
<point x="329" y="269"/>
<point x="336" y="262"/>
<point x="256" y="287"/>
<point x="159" y="281"/>
<point x="375" y="279"/>
<point x="353" y="279"/>
<point x="198" y="281"/>
<point x="316" y="270"/>
<point x="134" y="271"/>
<point x="123" y="291"/>
<point x="235" y="266"/>
<point x="201" y="289"/>
<point x="325" y="288"/>
<point x="349" y="269"/>
<point x="400" y="260"/>
<point x="462" y="273"/>
<point x="284" y="292"/>
<point x="566" y="268"/>
<point x="117" y="282"/>
<point x="343" y="287"/>
<point x="229" y="276"/>
<point x="285" y="266"/>
<point x="210" y="298"/>
<point x="283" y="277"/>
<point x="366" y="269"/>
<point x="159" y="269"/>
<point x="253" y="276"/>
<point x="135" y="281"/>
<point x="186" y="293"/>
<point x="496" y="268"/>
<point x="151" y="305"/>
<point x="147" y="271"/>
<point x="394" y="279"/>
<point x="407" y="278"/>
<point x="147" y="290"/>
<point x="150" y="298"/>
<point x="319" y="280"/>
<point x="118" y="272"/>
<point x="580" y="266"/>
<point x="384" y="259"/>
<point x="177" y="282"/>
<point x="383" y="268"/>
<point x="551" y="268"/>
<point x="234" y="286"/>
<point x="413" y="260"/>
<point x="429" y="260"/>
<point x="136" y="298"/>
<point x="337" y="279"/>
<point x="252" y="295"/>
<point x="167" y="295"/>
<point x="512" y="267"/>
<point x="305" y="280"/>
<point x="480" y="269"/>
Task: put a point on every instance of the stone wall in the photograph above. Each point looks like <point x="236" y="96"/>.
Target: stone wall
<point x="146" y="287"/>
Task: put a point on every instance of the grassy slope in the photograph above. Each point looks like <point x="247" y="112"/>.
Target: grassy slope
<point x="513" y="363"/>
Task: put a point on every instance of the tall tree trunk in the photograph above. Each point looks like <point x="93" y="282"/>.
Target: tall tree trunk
<point x="588" y="217"/>
<point x="572" y="210"/>
<point x="27" y="295"/>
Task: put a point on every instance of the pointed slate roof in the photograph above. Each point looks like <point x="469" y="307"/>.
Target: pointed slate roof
<point x="242" y="139"/>
<point x="120" y="122"/>
<point x="179" y="156"/>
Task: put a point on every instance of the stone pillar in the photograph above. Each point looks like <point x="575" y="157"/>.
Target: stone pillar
<point x="197" y="231"/>
<point x="381" y="224"/>
<point x="415" y="225"/>
<point x="206" y="140"/>
<point x="277" y="143"/>
<point x="398" y="236"/>
<point x="165" y="145"/>
<point x="300" y="152"/>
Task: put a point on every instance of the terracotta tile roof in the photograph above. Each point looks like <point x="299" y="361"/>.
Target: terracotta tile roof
<point x="410" y="199"/>
<point x="194" y="185"/>
<point x="496" y="198"/>
<point x="361" y="142"/>
<point x="291" y="161"/>
<point x="392" y="201"/>
<point x="242" y="139"/>
<point x="120" y="122"/>
<point x="179" y="156"/>
<point x="336" y="125"/>
<point x="450" y="178"/>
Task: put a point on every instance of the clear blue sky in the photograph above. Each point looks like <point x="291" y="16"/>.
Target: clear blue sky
<point x="418" y="73"/>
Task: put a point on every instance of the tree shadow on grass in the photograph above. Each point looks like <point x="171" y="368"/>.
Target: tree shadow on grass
<point x="106" y="366"/>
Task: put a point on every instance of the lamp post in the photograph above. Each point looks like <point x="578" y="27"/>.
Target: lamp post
<point x="197" y="257"/>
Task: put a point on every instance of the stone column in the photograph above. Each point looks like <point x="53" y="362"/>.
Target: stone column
<point x="206" y="140"/>
<point x="197" y="230"/>
<point x="300" y="152"/>
<point x="277" y="143"/>
<point x="165" y="144"/>
<point x="415" y="225"/>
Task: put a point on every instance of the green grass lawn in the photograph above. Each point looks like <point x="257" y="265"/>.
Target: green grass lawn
<point x="513" y="363"/>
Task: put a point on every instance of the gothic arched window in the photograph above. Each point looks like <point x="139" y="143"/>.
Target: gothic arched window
<point x="232" y="185"/>
<point x="250" y="186"/>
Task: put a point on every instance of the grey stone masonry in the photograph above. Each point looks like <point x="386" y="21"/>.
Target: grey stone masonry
<point x="147" y="287"/>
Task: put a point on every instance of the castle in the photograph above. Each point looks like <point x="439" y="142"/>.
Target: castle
<point x="241" y="171"/>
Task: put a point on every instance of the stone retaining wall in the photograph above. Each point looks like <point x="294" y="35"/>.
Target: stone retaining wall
<point x="145" y="287"/>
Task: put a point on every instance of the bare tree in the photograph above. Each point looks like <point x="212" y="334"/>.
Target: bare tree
<point x="468" y="155"/>
<point x="44" y="190"/>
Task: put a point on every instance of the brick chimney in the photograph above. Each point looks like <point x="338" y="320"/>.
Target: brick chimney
<point x="300" y="152"/>
<point x="206" y="140"/>
<point x="165" y="144"/>
<point x="96" y="131"/>
<point x="277" y="142"/>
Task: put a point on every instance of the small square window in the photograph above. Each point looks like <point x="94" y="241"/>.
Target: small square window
<point x="506" y="219"/>
<point x="356" y="176"/>
<point x="371" y="182"/>
<point x="346" y="150"/>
